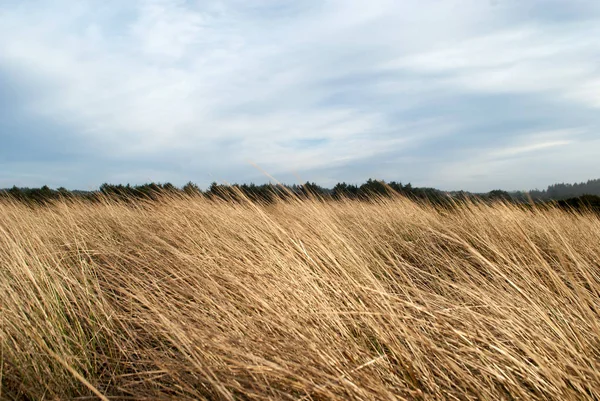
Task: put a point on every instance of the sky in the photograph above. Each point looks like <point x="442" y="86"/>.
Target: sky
<point x="452" y="94"/>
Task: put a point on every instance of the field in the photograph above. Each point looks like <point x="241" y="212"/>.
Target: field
<point x="188" y="298"/>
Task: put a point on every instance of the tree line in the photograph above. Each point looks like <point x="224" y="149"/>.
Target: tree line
<point x="564" y="191"/>
<point x="264" y="192"/>
<point x="577" y="196"/>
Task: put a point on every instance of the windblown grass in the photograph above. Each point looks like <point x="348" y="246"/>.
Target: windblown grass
<point x="195" y="299"/>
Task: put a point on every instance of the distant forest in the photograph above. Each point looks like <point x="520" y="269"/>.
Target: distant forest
<point x="585" y="194"/>
<point x="565" y="191"/>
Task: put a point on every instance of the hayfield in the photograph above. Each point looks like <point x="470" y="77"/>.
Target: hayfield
<point x="190" y="298"/>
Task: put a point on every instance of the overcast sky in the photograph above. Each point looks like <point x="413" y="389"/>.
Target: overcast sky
<point x="455" y="94"/>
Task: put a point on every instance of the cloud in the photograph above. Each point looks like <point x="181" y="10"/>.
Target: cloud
<point x="537" y="141"/>
<point x="553" y="61"/>
<point x="530" y="148"/>
<point x="178" y="90"/>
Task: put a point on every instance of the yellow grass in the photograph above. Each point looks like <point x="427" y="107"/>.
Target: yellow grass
<point x="301" y="300"/>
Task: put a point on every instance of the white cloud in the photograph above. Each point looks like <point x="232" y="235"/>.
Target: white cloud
<point x="554" y="61"/>
<point x="164" y="77"/>
<point x="548" y="156"/>
<point x="529" y="148"/>
<point x="537" y="141"/>
<point x="178" y="75"/>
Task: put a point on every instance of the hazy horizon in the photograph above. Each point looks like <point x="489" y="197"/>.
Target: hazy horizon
<point x="471" y="95"/>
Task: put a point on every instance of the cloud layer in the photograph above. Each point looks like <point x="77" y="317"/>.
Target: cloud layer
<point x="455" y="94"/>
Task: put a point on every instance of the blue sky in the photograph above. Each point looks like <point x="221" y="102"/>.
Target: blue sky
<point x="469" y="94"/>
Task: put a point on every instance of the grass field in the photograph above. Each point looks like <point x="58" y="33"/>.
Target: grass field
<point x="189" y="298"/>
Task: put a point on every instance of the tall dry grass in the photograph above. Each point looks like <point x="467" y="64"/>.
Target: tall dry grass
<point x="301" y="300"/>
